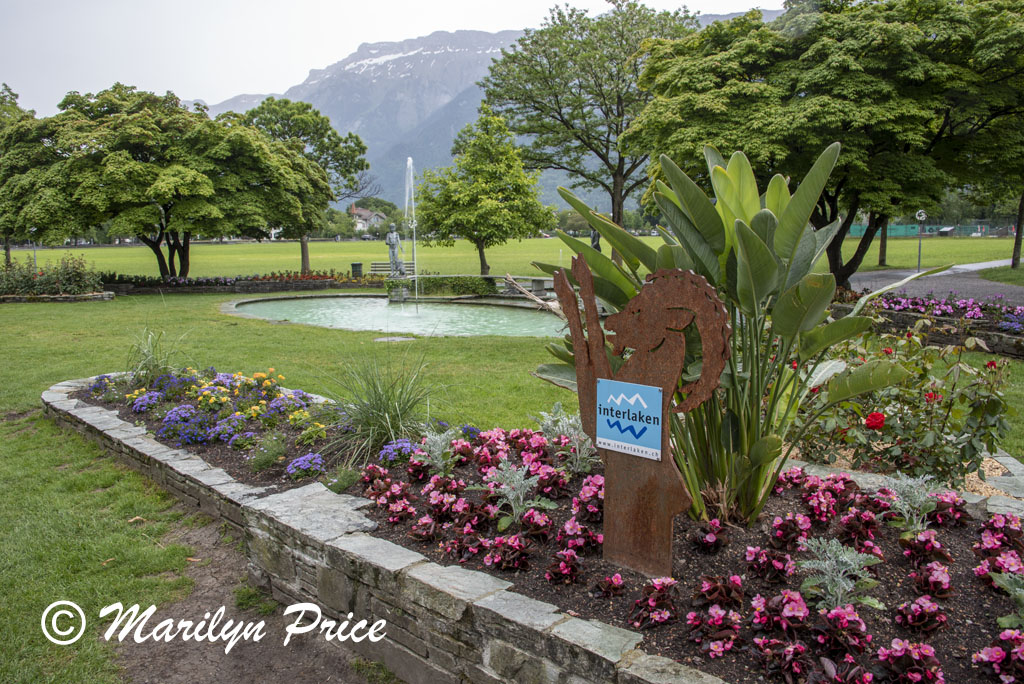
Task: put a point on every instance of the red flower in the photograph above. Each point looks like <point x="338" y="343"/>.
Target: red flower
<point x="874" y="421"/>
<point x="910" y="335"/>
<point x="888" y="351"/>
<point x="991" y="365"/>
<point x="793" y="364"/>
<point x="931" y="397"/>
<point x="814" y="390"/>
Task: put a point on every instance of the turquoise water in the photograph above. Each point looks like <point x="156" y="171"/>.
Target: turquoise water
<point x="363" y="313"/>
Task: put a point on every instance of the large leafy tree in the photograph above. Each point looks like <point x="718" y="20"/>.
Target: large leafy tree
<point x="152" y="169"/>
<point x="570" y="88"/>
<point x="486" y="196"/>
<point x="12" y="161"/>
<point x="300" y="125"/>
<point x="901" y="83"/>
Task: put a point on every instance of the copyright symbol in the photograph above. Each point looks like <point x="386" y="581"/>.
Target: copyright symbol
<point x="67" y="615"/>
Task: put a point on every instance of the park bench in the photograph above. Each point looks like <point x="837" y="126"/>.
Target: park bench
<point x="382" y="267"/>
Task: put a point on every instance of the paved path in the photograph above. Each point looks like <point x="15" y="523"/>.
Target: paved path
<point x="962" y="279"/>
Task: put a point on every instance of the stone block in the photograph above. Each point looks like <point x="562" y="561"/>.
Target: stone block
<point x="1003" y="504"/>
<point x="448" y="590"/>
<point x="270" y="555"/>
<point x="314" y="513"/>
<point x="590" y="648"/>
<point x="377" y="562"/>
<point x="405" y="664"/>
<point x="514" y="617"/>
<point x="513" y="665"/>
<point x="648" y="669"/>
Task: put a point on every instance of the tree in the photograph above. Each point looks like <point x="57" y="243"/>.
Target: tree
<point x="570" y="88"/>
<point x="13" y="163"/>
<point x="341" y="158"/>
<point x="155" y="171"/>
<point x="900" y="83"/>
<point x="485" y="197"/>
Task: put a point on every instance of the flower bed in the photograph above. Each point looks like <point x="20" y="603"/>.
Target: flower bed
<point x="743" y="603"/>
<point x="271" y="282"/>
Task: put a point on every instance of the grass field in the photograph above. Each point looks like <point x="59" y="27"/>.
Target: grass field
<point x="514" y="257"/>
<point x="1004" y="274"/>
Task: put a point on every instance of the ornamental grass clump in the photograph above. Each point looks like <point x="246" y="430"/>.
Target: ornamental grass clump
<point x="149" y="357"/>
<point x="758" y="250"/>
<point x="269" y="451"/>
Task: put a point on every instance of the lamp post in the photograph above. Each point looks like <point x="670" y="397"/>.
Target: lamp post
<point x="921" y="218"/>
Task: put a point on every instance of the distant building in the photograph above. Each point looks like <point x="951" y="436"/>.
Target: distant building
<point x="365" y="218"/>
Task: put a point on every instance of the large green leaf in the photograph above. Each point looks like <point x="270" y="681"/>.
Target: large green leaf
<point x="691" y="239"/>
<point x="764" y="224"/>
<point x="696" y="204"/>
<point x="551" y="269"/>
<point x="713" y="158"/>
<point x="559" y="374"/>
<point x="776" y="197"/>
<point x="748" y="202"/>
<point x="674" y="256"/>
<point x="823" y="237"/>
<point x="823" y="337"/>
<point x="803" y="306"/>
<point x="600" y="265"/>
<point x="869" y="377"/>
<point x="765" y="450"/>
<point x="756" y="269"/>
<point x="825" y="371"/>
<point x="793" y="221"/>
<point x="802" y="260"/>
<point x="895" y="286"/>
<point x="560" y="352"/>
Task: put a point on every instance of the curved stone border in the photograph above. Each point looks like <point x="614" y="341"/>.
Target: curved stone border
<point x="91" y="297"/>
<point x="231" y="308"/>
<point x="241" y="286"/>
<point x="445" y="625"/>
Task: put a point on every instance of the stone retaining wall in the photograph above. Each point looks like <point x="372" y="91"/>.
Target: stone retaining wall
<point x="91" y="297"/>
<point x="444" y="624"/>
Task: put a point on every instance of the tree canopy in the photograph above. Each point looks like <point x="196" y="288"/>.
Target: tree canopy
<point x="153" y="170"/>
<point x="906" y="86"/>
<point x="486" y="196"/>
<point x="309" y="132"/>
<point x="570" y="87"/>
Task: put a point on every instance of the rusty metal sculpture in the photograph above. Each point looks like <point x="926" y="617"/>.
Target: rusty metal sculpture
<point x="642" y="496"/>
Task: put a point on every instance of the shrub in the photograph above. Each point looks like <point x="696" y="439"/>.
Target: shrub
<point x="939" y="422"/>
<point x="69" y="276"/>
<point x="839" y="574"/>
<point x="448" y="285"/>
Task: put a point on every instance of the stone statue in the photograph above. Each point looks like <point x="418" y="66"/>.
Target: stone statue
<point x="394" y="243"/>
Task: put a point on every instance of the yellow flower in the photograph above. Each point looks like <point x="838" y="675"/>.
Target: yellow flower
<point x="270" y="370"/>
<point x="280" y="377"/>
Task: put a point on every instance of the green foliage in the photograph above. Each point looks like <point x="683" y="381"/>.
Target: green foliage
<point x="485" y="197"/>
<point x="940" y="422"/>
<point x="913" y="503"/>
<point x="269" y="451"/>
<point x="912" y="91"/>
<point x="341" y="479"/>
<point x="382" y="402"/>
<point x="437" y="450"/>
<point x="758" y="253"/>
<point x="514" y="492"/>
<point x="71" y="275"/>
<point x="1014" y="586"/>
<point x="581" y="456"/>
<point x="570" y="88"/>
<point x="448" y="285"/>
<point x="840" y="574"/>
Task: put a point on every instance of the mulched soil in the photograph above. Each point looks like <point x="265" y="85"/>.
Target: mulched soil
<point x="971" y="611"/>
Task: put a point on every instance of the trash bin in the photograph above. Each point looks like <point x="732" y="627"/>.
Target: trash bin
<point x="357" y="270"/>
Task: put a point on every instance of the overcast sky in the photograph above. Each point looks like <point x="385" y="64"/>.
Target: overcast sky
<point x="214" y="49"/>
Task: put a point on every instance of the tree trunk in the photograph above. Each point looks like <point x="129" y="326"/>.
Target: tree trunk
<point x="154" y="244"/>
<point x="618" y="203"/>
<point x="834" y="251"/>
<point x="304" y="251"/>
<point x="1015" y="259"/>
<point x="484" y="268"/>
<point x="883" y="242"/>
<point x="184" y="261"/>
<point x="7" y="251"/>
<point x="875" y="223"/>
<point x="172" y="251"/>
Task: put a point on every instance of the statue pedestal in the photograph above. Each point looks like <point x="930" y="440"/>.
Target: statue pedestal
<point x="398" y="294"/>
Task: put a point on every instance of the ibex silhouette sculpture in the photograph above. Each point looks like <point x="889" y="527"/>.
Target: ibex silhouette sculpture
<point x="643" y="496"/>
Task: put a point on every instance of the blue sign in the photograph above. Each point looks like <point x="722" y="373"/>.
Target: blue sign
<point x="629" y="418"/>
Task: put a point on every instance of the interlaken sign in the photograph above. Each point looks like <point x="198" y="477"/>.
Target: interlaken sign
<point x="629" y="418"/>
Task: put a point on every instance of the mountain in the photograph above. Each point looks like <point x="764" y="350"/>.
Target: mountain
<point x="409" y="99"/>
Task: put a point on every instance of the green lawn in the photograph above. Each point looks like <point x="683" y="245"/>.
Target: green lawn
<point x="514" y="257"/>
<point x="1004" y="274"/>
